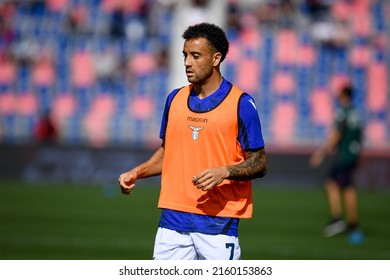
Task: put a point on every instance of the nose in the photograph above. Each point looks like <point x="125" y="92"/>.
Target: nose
<point x="187" y="61"/>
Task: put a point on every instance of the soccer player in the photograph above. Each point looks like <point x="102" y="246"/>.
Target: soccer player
<point x="212" y="147"/>
<point x="346" y="140"/>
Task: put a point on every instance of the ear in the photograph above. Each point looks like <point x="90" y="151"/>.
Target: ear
<point x="217" y="58"/>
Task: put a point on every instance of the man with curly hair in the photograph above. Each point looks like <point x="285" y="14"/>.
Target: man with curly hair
<point x="212" y="147"/>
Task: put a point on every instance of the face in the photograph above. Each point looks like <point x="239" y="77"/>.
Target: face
<point x="199" y="60"/>
<point x="343" y="100"/>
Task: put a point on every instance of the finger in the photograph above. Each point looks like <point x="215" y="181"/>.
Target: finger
<point x="200" y="184"/>
<point x="121" y="180"/>
<point x="198" y="178"/>
<point x="207" y="187"/>
<point x="124" y="181"/>
<point x="126" y="192"/>
<point x="195" y="180"/>
<point x="122" y="184"/>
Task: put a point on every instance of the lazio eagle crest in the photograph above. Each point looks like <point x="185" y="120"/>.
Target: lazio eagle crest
<point x="195" y="131"/>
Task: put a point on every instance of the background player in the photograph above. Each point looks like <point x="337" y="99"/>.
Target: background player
<point x="346" y="140"/>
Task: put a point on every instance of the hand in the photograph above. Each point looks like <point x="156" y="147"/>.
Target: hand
<point x="210" y="178"/>
<point x="317" y="159"/>
<point x="126" y="182"/>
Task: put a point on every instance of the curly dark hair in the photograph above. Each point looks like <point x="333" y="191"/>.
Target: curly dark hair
<point x="215" y="36"/>
<point x="348" y="91"/>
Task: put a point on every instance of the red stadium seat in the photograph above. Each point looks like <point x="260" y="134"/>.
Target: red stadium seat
<point x="64" y="106"/>
<point x="57" y="5"/>
<point x="96" y="121"/>
<point x="43" y="74"/>
<point x="142" y="63"/>
<point x="27" y="104"/>
<point x="321" y="104"/>
<point x="360" y="56"/>
<point x="141" y="107"/>
<point x="337" y="81"/>
<point x="377" y="88"/>
<point x="361" y="18"/>
<point x="234" y="54"/>
<point x="306" y="55"/>
<point x="104" y="105"/>
<point x="341" y="10"/>
<point x="7" y="71"/>
<point x="250" y="36"/>
<point x="82" y="69"/>
<point x="7" y="103"/>
<point x="283" y="83"/>
<point x="376" y="134"/>
<point x="284" y="116"/>
<point x="286" y="47"/>
<point x="129" y="6"/>
<point x="248" y="74"/>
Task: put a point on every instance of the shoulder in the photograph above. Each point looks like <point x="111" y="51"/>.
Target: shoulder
<point x="340" y="114"/>
<point x="172" y="95"/>
<point x="247" y="102"/>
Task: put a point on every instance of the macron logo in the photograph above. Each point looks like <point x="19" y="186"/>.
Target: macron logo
<point x="253" y="103"/>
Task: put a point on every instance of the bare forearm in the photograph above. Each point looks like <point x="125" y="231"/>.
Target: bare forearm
<point x="331" y="143"/>
<point x="151" y="167"/>
<point x="255" y="166"/>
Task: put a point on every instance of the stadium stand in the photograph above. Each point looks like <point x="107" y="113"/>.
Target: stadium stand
<point x="102" y="67"/>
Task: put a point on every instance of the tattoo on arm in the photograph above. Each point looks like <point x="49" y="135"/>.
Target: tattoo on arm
<point x="254" y="166"/>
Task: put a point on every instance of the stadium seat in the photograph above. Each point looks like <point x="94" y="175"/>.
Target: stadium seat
<point x="142" y="63"/>
<point x="234" y="54"/>
<point x="141" y="107"/>
<point x="129" y="6"/>
<point x="361" y="19"/>
<point x="337" y="81"/>
<point x="360" y="55"/>
<point x="376" y="134"/>
<point x="57" y="5"/>
<point x="283" y="123"/>
<point x="43" y="73"/>
<point x="7" y="71"/>
<point x="283" y="83"/>
<point x="82" y="69"/>
<point x="306" y="55"/>
<point x="378" y="16"/>
<point x="341" y="10"/>
<point x="286" y="47"/>
<point x="321" y="105"/>
<point x="7" y="104"/>
<point x="248" y="74"/>
<point x="377" y="88"/>
<point x="27" y="104"/>
<point x="250" y="35"/>
<point x="97" y="120"/>
<point x="64" y="106"/>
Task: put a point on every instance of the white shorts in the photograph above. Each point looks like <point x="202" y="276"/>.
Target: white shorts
<point x="175" y="245"/>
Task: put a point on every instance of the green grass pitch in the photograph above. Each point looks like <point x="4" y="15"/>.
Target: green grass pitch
<point x="78" y="222"/>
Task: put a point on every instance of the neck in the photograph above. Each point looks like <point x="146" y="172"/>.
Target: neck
<point x="208" y="87"/>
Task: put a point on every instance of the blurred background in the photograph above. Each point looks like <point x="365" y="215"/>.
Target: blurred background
<point x="83" y="86"/>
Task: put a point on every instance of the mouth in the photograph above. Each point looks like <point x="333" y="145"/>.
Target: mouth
<point x="189" y="73"/>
